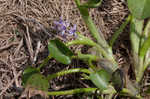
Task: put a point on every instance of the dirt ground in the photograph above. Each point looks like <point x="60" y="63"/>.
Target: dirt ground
<point x="26" y="28"/>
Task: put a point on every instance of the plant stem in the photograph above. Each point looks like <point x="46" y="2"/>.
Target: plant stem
<point x="91" y="26"/>
<point x="82" y="90"/>
<point x="103" y="47"/>
<point x="74" y="91"/>
<point x="116" y="34"/>
<point x="109" y="90"/>
<point x="86" y="56"/>
<point x="110" y="96"/>
<point x="44" y="62"/>
<point x="61" y="73"/>
<point x="108" y="56"/>
<point x="92" y="66"/>
<point x="84" y="40"/>
<point x="129" y="93"/>
<point x="140" y="70"/>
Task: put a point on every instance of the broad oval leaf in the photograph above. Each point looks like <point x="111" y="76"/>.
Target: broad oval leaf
<point x="60" y="51"/>
<point x="27" y="73"/>
<point x="117" y="80"/>
<point x="38" y="81"/>
<point x="101" y="79"/>
<point x="33" y="79"/>
<point x="139" y="8"/>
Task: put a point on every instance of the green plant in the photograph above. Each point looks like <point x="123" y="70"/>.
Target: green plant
<point x="139" y="37"/>
<point x="109" y="78"/>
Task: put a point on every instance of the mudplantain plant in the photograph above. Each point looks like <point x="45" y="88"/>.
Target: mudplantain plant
<point x="105" y="75"/>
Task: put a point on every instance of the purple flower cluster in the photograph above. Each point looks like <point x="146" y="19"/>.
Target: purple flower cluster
<point x="64" y="27"/>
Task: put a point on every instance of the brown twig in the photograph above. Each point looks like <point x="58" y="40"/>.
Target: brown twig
<point x="8" y="46"/>
<point x="18" y="48"/>
<point x="35" y="21"/>
<point x="29" y="44"/>
<point x="12" y="81"/>
<point x="36" y="52"/>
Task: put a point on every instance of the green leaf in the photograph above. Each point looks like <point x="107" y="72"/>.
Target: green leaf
<point x="145" y="47"/>
<point x="146" y="34"/>
<point x="136" y="29"/>
<point x="101" y="79"/>
<point x="33" y="79"/>
<point x="60" y="51"/>
<point x="139" y="8"/>
<point x="117" y="80"/>
<point x="27" y="73"/>
<point x="92" y="3"/>
<point x="38" y="82"/>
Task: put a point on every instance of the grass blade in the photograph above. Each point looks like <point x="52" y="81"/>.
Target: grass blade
<point x="116" y="34"/>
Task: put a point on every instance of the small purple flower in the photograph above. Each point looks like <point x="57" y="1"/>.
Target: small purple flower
<point x="63" y="32"/>
<point x="58" y="23"/>
<point x="73" y="30"/>
<point x="63" y="27"/>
